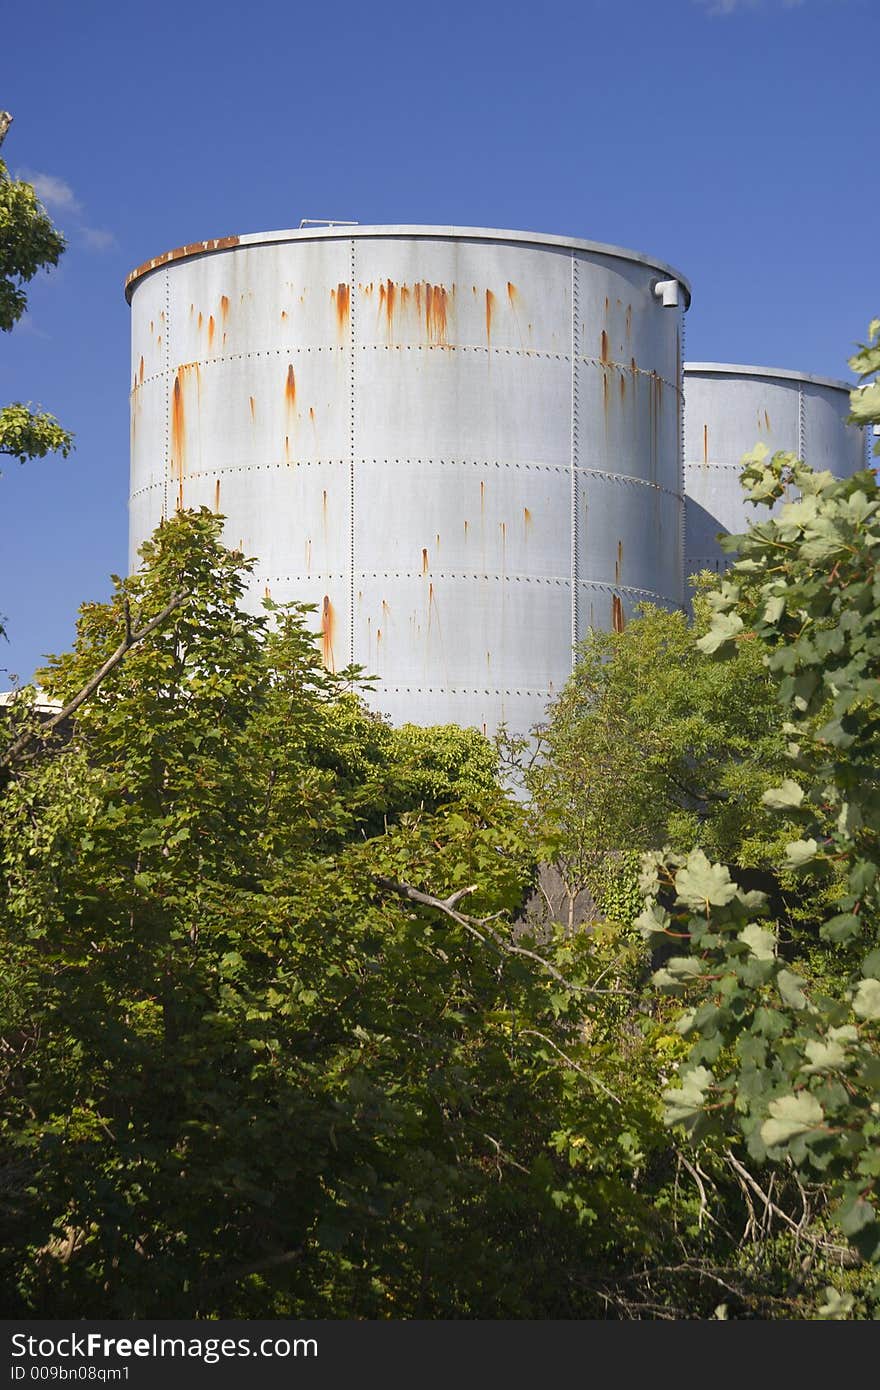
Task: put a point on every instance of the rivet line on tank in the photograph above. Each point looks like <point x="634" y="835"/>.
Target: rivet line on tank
<point x="351" y="442"/>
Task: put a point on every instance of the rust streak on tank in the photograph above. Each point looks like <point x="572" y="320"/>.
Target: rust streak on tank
<point x="417" y="293"/>
<point x="200" y="320"/>
<point x="217" y="495"/>
<point x="490" y="306"/>
<point x="622" y="387"/>
<point x="308" y="555"/>
<point x="618" y="622"/>
<point x="178" y="425"/>
<point x="210" y="331"/>
<point x="141" y="370"/>
<point x="618" y="562"/>
<point x="603" y="347"/>
<point x="253" y="406"/>
<point x="705" y="443"/>
<point x="283" y="315"/>
<point x="435" y="314"/>
<point x="628" y="321"/>
<point x="527" y="520"/>
<point x="224" y="308"/>
<point x="343" y="306"/>
<point x="766" y="420"/>
<point x="424" y="560"/>
<point x="328" y="623"/>
<point x="512" y="293"/>
<point x="390" y="295"/>
<point x="290" y="387"/>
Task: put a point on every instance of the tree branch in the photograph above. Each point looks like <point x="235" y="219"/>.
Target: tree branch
<point x="15" y="750"/>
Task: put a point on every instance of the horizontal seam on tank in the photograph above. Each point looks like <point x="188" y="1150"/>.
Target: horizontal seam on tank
<point x="423" y="576"/>
<point x="458" y="690"/>
<point x="621" y="588"/>
<point x="624" y="368"/>
<point x="629" y="478"/>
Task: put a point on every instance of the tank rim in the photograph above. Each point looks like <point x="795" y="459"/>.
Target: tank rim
<point x="777" y="373"/>
<point x="344" y="233"/>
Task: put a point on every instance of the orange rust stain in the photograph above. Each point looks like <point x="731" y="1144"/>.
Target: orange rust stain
<point x="178" y="421"/>
<point x="312" y="413"/>
<point x="341" y="297"/>
<point x="196" y="248"/>
<point x="417" y="291"/>
<point x="512" y="293"/>
<point x="328" y="624"/>
<point x="490" y="307"/>
<point x="283" y="314"/>
<point x="200" y="320"/>
<point x="605" y="391"/>
<point x="632" y="366"/>
<point x="424" y="560"/>
<point x="465" y="530"/>
<point x="629" y="320"/>
<point x="766" y="420"/>
<point x="267" y="592"/>
<point x="622" y="387"/>
<point x="152" y="326"/>
<point x="141" y="370"/>
<point x="618" y="622"/>
<point x="217" y="495"/>
<point x="527" y="519"/>
<point x="404" y="296"/>
<point x="253" y="406"/>
<point x="619" y="561"/>
<point x="378" y="635"/>
<point x="482" y="496"/>
<point x="603" y="352"/>
<point x="607" y="305"/>
<point x="224" y="308"/>
<point x="290" y="387"/>
<point x="210" y="331"/>
<point x="705" y="443"/>
<point x="180" y="496"/>
<point x="287" y="448"/>
<point x="435" y="314"/>
<point x="390" y="293"/>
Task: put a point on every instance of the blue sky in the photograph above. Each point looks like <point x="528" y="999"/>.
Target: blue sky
<point x="732" y="138"/>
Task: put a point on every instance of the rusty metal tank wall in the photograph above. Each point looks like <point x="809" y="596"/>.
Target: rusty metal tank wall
<point x="463" y="446"/>
<point x="730" y="409"/>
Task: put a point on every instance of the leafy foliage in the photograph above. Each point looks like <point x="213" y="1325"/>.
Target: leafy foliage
<point x="28" y="243"/>
<point x="790" y="1058"/>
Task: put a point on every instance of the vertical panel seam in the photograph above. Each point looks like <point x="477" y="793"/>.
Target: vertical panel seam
<point x="802" y="426"/>
<point x="351" y="445"/>
<point x="575" y="454"/>
<point x="167" y="355"/>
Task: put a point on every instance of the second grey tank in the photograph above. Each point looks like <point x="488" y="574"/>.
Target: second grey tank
<point x="727" y="411"/>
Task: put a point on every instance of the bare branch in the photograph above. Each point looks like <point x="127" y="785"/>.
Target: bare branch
<point x="479" y="928"/>
<point x="14" y="751"/>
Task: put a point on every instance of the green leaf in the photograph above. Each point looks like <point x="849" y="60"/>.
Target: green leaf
<point x="799" y="852"/>
<point x="725" y="626"/>
<point x="789" y="986"/>
<point x="783" y="798"/>
<point x="866" y="1002"/>
<point x="789" y="1116"/>
<point x="701" y="883"/>
<point x="760" y="941"/>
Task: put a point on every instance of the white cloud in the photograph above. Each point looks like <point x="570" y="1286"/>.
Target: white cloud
<point x="96" y="239"/>
<point x="57" y="194"/>
<point x="725" y="7"/>
<point x="52" y="191"/>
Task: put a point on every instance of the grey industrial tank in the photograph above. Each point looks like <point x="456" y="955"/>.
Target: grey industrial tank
<point x="730" y="409"/>
<point x="462" y="445"/>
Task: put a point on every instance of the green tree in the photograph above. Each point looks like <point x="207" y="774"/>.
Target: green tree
<point x="788" y="1057"/>
<point x="651" y="742"/>
<point x="257" y="1059"/>
<point x="28" y="243"/>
